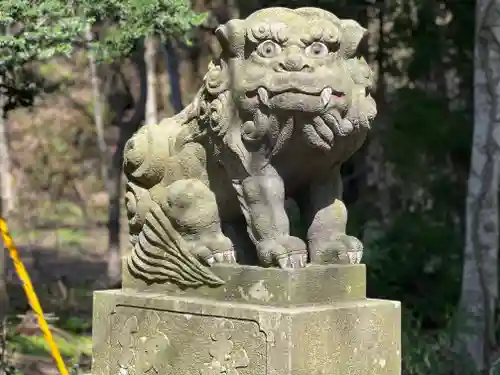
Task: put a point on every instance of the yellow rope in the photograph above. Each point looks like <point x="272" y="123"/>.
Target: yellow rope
<point x="32" y="297"/>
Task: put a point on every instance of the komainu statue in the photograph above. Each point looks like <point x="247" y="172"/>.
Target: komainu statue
<point x="286" y="102"/>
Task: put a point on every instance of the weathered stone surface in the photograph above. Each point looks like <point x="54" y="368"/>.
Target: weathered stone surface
<point x="145" y="333"/>
<point x="272" y="286"/>
<point x="283" y="106"/>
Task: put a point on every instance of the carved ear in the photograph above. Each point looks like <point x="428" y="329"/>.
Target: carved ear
<point x="231" y="37"/>
<point x="352" y="34"/>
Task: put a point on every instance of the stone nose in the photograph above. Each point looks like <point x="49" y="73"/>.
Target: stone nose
<point x="294" y="62"/>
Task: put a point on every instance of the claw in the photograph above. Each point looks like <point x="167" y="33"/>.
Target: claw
<point x="284" y="252"/>
<point x="297" y="260"/>
<point x="352" y="257"/>
<point x="229" y="256"/>
<point x="283" y="262"/>
<point x="293" y="261"/>
<point x="225" y="257"/>
<point x="339" y="249"/>
<point x="219" y="257"/>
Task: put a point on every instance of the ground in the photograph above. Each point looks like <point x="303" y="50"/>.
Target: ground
<point x="66" y="262"/>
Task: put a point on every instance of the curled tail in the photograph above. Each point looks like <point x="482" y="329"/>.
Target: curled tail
<point x="159" y="252"/>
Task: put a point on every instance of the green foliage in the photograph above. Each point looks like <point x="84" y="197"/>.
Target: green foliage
<point x="31" y="31"/>
<point x="77" y="325"/>
<point x="431" y="352"/>
<point x="342" y="8"/>
<point x="417" y="261"/>
<point x="36" y="30"/>
<point x="72" y="347"/>
<point x="418" y="256"/>
<point x="134" y="19"/>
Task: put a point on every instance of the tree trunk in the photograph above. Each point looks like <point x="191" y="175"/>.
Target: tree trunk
<point x="98" y="115"/>
<point x="114" y="216"/>
<point x="377" y="178"/>
<point x="7" y="198"/>
<point x="4" y="179"/>
<point x="172" y="65"/>
<point x="127" y="128"/>
<point x="150" y="60"/>
<point x="4" y="297"/>
<point x="480" y="272"/>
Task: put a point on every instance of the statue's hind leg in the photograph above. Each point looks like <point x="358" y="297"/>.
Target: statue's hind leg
<point x="192" y="208"/>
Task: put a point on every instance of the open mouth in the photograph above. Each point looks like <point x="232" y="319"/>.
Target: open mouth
<point x="273" y="99"/>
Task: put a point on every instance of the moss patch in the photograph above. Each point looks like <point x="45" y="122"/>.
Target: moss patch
<point x="36" y="345"/>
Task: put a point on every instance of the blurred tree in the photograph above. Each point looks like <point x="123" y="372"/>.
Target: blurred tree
<point x="4" y="298"/>
<point x="28" y="34"/>
<point x="128" y="24"/>
<point x="29" y="31"/>
<point x="479" y="295"/>
<point x="172" y="66"/>
<point x="150" y="60"/>
<point x="97" y="104"/>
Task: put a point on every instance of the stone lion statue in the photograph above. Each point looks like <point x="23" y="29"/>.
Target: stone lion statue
<point x="286" y="102"/>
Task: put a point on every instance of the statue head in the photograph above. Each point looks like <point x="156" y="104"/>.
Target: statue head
<point x="299" y="67"/>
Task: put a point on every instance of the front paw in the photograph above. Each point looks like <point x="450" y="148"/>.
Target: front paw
<point x="338" y="249"/>
<point x="214" y="248"/>
<point x="283" y="251"/>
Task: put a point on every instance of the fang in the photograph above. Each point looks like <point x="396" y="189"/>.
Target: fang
<point x="263" y="96"/>
<point x="326" y="95"/>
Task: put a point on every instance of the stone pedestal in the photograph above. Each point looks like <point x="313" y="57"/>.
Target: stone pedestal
<point x="271" y="321"/>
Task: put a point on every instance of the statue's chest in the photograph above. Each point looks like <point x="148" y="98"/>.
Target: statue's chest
<point x="298" y="163"/>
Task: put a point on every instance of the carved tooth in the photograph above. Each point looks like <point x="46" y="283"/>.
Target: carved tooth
<point x="326" y="95"/>
<point x="263" y="95"/>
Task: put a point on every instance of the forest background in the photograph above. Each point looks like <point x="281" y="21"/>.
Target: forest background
<point x="77" y="80"/>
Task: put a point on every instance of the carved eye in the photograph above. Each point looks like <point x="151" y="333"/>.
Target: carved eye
<point x="317" y="49"/>
<point x="268" y="49"/>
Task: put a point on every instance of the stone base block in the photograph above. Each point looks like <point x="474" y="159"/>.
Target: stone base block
<point x="314" y="284"/>
<point x="138" y="333"/>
